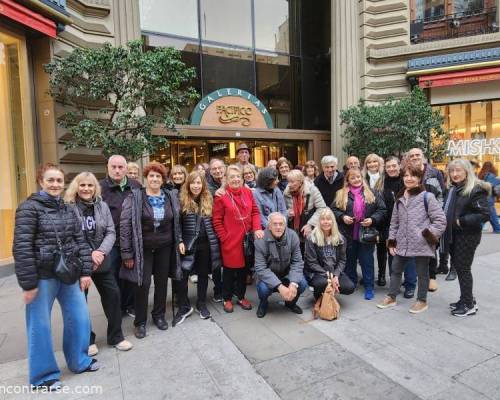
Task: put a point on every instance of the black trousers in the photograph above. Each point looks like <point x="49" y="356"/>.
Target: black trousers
<point x="202" y="266"/>
<point x="217" y="279"/>
<point x="157" y="262"/>
<point x="381" y="258"/>
<point x="462" y="252"/>
<point x="234" y="281"/>
<point x="110" y="299"/>
<point x="126" y="287"/>
<point x="319" y="282"/>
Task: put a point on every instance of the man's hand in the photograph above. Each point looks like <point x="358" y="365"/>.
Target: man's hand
<point x="288" y="293"/>
<point x="259" y="234"/>
<point x="97" y="257"/>
<point x="291" y="213"/>
<point x="348" y="220"/>
<point x="292" y="289"/>
<point x="182" y="248"/>
<point x="129" y="264"/>
<point x="85" y="282"/>
<point x="220" y="192"/>
<point x="29" y="295"/>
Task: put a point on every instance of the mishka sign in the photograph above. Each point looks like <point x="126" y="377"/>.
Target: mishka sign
<point x="232" y="108"/>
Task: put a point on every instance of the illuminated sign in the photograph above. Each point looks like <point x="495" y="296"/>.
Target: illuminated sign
<point x="474" y="147"/>
<point x="231" y="107"/>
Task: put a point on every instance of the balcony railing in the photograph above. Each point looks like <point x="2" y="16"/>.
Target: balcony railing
<point x="456" y="25"/>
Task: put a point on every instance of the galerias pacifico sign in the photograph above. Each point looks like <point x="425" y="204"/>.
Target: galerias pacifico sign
<point x="232" y="108"/>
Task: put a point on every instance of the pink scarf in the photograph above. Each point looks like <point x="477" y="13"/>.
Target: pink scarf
<point x="358" y="209"/>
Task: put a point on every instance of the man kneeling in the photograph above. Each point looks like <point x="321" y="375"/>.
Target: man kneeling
<point x="278" y="265"/>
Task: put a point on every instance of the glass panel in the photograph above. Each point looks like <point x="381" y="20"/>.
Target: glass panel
<point x="316" y="93"/>
<point x="271" y="25"/>
<point x="273" y="87"/>
<point x="315" y="32"/>
<point x="227" y="21"/>
<point x="227" y="67"/>
<point x="434" y="8"/>
<point x="177" y="17"/>
<point x="468" y="6"/>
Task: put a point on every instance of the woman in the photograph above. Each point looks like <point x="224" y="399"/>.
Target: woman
<point x="199" y="167"/>
<point x="326" y="253"/>
<point x="284" y="167"/>
<point x="466" y="208"/>
<point x="43" y="225"/>
<point x="489" y="174"/>
<point x="84" y="195"/>
<point x="358" y="209"/>
<point x="416" y="239"/>
<point x="311" y="171"/>
<point x="202" y="252"/>
<point x="178" y="176"/>
<point x="133" y="170"/>
<point x="150" y="242"/>
<point x="268" y="197"/>
<point x="393" y="184"/>
<point x="304" y="203"/>
<point x="235" y="216"/>
<point x="249" y="175"/>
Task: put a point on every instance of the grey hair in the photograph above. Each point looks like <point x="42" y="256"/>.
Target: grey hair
<point x="276" y="214"/>
<point x="470" y="180"/>
<point x="329" y="159"/>
<point x="214" y="160"/>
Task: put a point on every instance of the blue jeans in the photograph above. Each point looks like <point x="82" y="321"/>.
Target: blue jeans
<point x="265" y="291"/>
<point x="410" y="272"/>
<point x="493" y="215"/>
<point x="364" y="252"/>
<point x="42" y="363"/>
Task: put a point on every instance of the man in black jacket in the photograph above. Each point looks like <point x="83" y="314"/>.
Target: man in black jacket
<point x="114" y="190"/>
<point x="330" y="180"/>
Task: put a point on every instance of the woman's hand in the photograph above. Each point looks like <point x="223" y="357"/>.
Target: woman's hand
<point x="97" y="257"/>
<point x="85" y="282"/>
<point x="392" y="251"/>
<point x="220" y="192"/>
<point x="291" y="213"/>
<point x="336" y="284"/>
<point x="182" y="248"/>
<point x="259" y="234"/>
<point x="348" y="220"/>
<point x="367" y="222"/>
<point x="29" y="295"/>
<point x="306" y="230"/>
<point x="129" y="264"/>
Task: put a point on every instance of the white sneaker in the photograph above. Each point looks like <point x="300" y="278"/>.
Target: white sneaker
<point x="194" y="278"/>
<point x="93" y="350"/>
<point x="124" y="345"/>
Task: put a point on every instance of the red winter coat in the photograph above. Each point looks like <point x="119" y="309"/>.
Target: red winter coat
<point x="233" y="215"/>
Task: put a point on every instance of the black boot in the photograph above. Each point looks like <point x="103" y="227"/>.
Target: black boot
<point x="443" y="264"/>
<point x="382" y="262"/>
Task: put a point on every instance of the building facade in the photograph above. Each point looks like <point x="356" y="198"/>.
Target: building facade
<point x="31" y="34"/>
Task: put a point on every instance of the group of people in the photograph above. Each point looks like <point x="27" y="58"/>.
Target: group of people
<point x="285" y="228"/>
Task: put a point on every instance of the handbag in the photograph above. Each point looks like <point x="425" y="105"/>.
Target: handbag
<point x="67" y="267"/>
<point x="368" y="235"/>
<point x="327" y="307"/>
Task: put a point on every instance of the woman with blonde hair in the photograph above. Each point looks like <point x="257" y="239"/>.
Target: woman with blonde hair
<point x="311" y="171"/>
<point x="466" y="208"/>
<point x="178" y="176"/>
<point x="250" y="176"/>
<point x="358" y="210"/>
<point x="201" y="252"/>
<point x="133" y="170"/>
<point x="326" y="253"/>
<point x="84" y="197"/>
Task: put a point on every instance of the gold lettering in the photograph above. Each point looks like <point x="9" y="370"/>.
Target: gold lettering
<point x="231" y="113"/>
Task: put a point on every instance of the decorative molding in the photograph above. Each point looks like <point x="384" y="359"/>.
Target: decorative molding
<point x="387" y="84"/>
<point x="385" y="8"/>
<point x="384" y="46"/>
<point x="90" y="8"/>
<point x="378" y="22"/>
<point x="90" y="27"/>
<point x="386" y="71"/>
<point x="381" y="34"/>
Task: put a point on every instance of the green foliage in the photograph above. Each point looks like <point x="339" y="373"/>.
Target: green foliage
<point x="117" y="95"/>
<point x="394" y="127"/>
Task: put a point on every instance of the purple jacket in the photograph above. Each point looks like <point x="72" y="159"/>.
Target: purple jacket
<point x="415" y="231"/>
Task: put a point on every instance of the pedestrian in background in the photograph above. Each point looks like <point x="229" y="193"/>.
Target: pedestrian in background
<point x="84" y="197"/>
<point x="358" y="210"/>
<point x="489" y="174"/>
<point x="45" y="226"/>
<point x="417" y="223"/>
<point x="467" y="209"/>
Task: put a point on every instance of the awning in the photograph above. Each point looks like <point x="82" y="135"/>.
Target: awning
<point x="459" y="78"/>
<point x="29" y="18"/>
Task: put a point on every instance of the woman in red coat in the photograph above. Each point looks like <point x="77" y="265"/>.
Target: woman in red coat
<point x="235" y="213"/>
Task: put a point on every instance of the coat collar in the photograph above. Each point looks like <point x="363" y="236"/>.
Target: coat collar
<point x="413" y="191"/>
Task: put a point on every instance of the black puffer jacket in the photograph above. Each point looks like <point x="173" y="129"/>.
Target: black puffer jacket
<point x="471" y="210"/>
<point x="35" y="239"/>
<point x="376" y="211"/>
<point x="190" y="231"/>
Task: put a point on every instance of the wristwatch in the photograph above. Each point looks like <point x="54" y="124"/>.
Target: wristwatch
<point x="294" y="284"/>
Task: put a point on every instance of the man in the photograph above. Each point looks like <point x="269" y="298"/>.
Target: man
<point x="352" y="162"/>
<point x="114" y="190"/>
<point x="433" y="181"/>
<point x="215" y="176"/>
<point x="278" y="265"/>
<point x="243" y="156"/>
<point x="330" y="180"/>
<point x="272" y="163"/>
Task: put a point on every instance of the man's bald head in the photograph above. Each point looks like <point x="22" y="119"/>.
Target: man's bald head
<point x="117" y="167"/>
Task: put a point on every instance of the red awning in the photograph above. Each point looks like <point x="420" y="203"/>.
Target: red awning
<point x="25" y="16"/>
<point x="459" y="78"/>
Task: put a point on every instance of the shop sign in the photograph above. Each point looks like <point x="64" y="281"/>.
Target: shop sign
<point x="25" y="16"/>
<point x="460" y="78"/>
<point x="474" y="147"/>
<point x="233" y="108"/>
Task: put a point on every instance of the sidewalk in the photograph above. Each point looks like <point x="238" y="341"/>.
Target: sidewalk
<point x="367" y="354"/>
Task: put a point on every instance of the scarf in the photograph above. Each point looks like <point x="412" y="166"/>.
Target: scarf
<point x="373" y="178"/>
<point x="358" y="209"/>
<point x="298" y="208"/>
<point x="449" y="210"/>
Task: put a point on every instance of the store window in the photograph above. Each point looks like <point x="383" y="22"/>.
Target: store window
<point x="272" y="28"/>
<point x="176" y="17"/>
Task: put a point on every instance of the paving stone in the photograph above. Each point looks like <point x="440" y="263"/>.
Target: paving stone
<point x="484" y="377"/>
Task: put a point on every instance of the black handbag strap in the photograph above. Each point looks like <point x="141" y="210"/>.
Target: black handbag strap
<point x="58" y="240"/>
